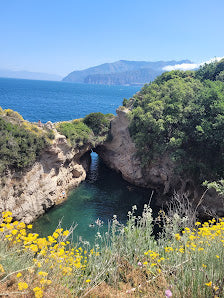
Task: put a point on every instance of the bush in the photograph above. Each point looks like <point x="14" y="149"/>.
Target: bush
<point x="98" y="122"/>
<point x="19" y="147"/>
<point x="182" y="117"/>
<point x="50" y="134"/>
<point x="76" y="131"/>
<point x="13" y="114"/>
<point x="211" y="71"/>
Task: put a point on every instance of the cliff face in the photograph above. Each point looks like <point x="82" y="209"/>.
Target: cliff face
<point x="120" y="155"/>
<point x="30" y="193"/>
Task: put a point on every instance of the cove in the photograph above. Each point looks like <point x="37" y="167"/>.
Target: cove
<point x="103" y="194"/>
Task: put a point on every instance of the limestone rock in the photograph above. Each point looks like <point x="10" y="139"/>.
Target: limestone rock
<point x="120" y="155"/>
<point x="30" y="193"/>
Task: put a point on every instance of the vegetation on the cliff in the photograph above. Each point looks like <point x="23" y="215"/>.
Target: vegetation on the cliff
<point x="181" y="114"/>
<point x="76" y="131"/>
<point x="186" y="260"/>
<point x="98" y="122"/>
<point x="93" y="128"/>
<point x="20" y="141"/>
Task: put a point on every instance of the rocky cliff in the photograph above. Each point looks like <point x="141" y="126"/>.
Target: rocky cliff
<point x="30" y="193"/>
<point x="120" y="154"/>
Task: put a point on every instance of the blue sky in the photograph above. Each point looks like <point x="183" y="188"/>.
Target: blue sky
<point x="59" y="36"/>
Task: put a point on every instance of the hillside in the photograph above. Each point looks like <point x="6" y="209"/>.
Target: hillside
<point x="121" y="72"/>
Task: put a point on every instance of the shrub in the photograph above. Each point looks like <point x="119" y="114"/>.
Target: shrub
<point x="182" y="117"/>
<point x="98" y="122"/>
<point x="76" y="131"/>
<point x="211" y="71"/>
<point x="50" y="134"/>
<point x="19" y="147"/>
<point x="13" y="114"/>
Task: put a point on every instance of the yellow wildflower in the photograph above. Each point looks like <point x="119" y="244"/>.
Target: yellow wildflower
<point x="177" y="237"/>
<point x="65" y="233"/>
<point x="22" y="286"/>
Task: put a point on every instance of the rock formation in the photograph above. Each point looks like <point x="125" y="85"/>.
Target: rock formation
<point x="30" y="193"/>
<point x="120" y="154"/>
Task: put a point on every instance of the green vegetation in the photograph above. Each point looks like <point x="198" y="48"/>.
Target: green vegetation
<point x="213" y="71"/>
<point x="93" y="128"/>
<point x="19" y="146"/>
<point x="76" y="131"/>
<point x="98" y="122"/>
<point x="186" y="259"/>
<point x="21" y="142"/>
<point x="181" y="114"/>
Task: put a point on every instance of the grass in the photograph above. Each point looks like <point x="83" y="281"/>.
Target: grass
<point x="186" y="259"/>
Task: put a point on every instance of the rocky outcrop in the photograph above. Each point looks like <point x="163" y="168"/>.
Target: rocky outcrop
<point x="30" y="193"/>
<point x="120" y="155"/>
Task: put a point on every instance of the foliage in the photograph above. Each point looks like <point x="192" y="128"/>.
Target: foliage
<point x="125" y="102"/>
<point x="183" y="117"/>
<point x="19" y="147"/>
<point x="185" y="260"/>
<point x="98" y="122"/>
<point x="212" y="71"/>
<point x="76" y="131"/>
<point x="50" y="134"/>
<point x="217" y="185"/>
<point x="13" y="114"/>
<point x="92" y="129"/>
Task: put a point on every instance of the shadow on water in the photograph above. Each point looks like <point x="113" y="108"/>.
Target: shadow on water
<point x="103" y="194"/>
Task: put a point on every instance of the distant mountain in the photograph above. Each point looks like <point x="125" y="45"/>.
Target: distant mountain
<point x="121" y="72"/>
<point x="5" y="73"/>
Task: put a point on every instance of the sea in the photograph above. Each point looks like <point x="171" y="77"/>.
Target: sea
<point x="104" y="193"/>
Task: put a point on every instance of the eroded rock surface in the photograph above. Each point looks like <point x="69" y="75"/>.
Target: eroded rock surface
<point x="30" y="193"/>
<point x="120" y="155"/>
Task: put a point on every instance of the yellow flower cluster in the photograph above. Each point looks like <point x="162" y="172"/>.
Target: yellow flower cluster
<point x="154" y="260"/>
<point x="54" y="253"/>
<point x="203" y="244"/>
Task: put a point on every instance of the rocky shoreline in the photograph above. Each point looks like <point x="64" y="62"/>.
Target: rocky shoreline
<point x="61" y="167"/>
<point x="30" y="193"/>
<point x="120" y="155"/>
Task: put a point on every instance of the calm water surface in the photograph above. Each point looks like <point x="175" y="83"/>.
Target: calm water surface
<point x="60" y="101"/>
<point x="104" y="193"/>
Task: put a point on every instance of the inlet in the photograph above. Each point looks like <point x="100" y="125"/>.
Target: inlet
<point x="103" y="194"/>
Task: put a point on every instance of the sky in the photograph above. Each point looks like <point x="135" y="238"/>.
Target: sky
<point x="59" y="36"/>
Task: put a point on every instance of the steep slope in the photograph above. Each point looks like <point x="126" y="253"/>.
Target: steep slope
<point x="39" y="164"/>
<point x="121" y="155"/>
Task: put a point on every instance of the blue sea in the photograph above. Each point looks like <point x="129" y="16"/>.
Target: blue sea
<point x="104" y="193"/>
<point x="60" y="101"/>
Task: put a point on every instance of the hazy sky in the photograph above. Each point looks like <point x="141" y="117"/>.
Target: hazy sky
<point x="59" y="36"/>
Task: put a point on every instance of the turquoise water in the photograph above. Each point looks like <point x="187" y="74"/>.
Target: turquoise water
<point x="60" y="101"/>
<point x="104" y="193"/>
